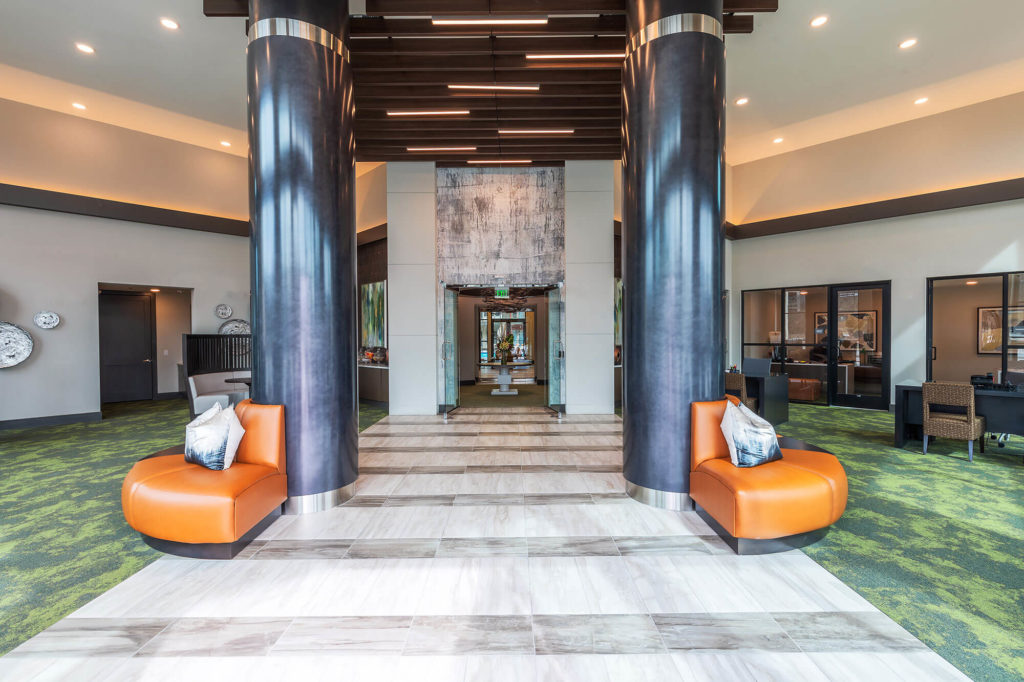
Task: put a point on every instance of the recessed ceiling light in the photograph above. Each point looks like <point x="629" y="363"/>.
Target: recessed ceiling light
<point x="493" y="161"/>
<point x="440" y="149"/>
<point x="908" y="43"/>
<point x="971" y="282"/>
<point x="818" y="22"/>
<point x="777" y="140"/>
<point x="803" y="293"/>
<point x="155" y="290"/>
<point x="438" y="112"/>
<point x="742" y="100"/>
<point x="225" y="143"/>
<point x="487" y="21"/>
<point x="170" y="24"/>
<point x="78" y="105"/>
<point x="589" y="55"/>
<point x="536" y="131"/>
<point x="920" y="100"/>
<point x="494" y="87"/>
<point x="87" y="49"/>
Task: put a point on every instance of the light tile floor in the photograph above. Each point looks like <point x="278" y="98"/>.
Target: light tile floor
<point x="498" y="546"/>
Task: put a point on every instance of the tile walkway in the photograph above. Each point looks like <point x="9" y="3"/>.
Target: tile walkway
<point x="498" y="546"/>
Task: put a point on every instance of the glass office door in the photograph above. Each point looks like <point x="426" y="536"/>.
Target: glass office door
<point x="858" y="343"/>
<point x="1014" y="330"/>
<point x="556" y="349"/>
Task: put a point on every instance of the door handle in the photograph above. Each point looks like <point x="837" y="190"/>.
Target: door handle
<point x="935" y="354"/>
<point x="148" y="360"/>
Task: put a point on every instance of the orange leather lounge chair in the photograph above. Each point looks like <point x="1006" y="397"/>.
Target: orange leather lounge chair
<point x="186" y="509"/>
<point x="769" y="508"/>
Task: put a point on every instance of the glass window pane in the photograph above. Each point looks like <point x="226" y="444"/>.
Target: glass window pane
<point x="762" y="316"/>
<point x="967" y="320"/>
<point x="806" y="315"/>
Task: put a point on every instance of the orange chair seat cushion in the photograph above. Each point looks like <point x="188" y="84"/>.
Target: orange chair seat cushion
<point x="801" y="492"/>
<point x="166" y="497"/>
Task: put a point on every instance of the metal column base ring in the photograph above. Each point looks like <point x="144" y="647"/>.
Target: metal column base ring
<point x="662" y="499"/>
<point x="317" y="502"/>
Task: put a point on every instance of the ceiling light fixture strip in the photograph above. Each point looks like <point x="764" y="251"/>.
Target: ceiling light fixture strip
<point x="294" y="28"/>
<point x="689" y="22"/>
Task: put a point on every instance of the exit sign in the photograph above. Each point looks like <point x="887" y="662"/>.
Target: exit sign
<point x="501" y="293"/>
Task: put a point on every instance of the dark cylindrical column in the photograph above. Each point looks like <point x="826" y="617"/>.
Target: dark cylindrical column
<point x="302" y="168"/>
<point x="672" y="237"/>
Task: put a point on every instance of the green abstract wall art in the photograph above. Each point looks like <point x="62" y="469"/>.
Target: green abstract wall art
<point x="618" y="311"/>
<point x="373" y="300"/>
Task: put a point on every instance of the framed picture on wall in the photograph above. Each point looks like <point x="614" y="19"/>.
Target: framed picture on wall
<point x="857" y="330"/>
<point x="990" y="329"/>
<point x="374" y="315"/>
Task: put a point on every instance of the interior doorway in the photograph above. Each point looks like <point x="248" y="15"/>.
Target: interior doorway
<point x="478" y="372"/>
<point x="140" y="332"/>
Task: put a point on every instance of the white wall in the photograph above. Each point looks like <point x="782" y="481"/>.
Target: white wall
<point x="905" y="250"/>
<point x="589" y="287"/>
<point x="412" y="289"/>
<point x="54" y="261"/>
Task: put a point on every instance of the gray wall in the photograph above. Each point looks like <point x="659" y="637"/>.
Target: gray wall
<point x="54" y="261"/>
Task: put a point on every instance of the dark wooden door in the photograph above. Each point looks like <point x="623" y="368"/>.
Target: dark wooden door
<point x="126" y="346"/>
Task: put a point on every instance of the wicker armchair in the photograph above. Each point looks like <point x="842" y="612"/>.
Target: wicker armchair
<point x="968" y="427"/>
<point x="736" y="384"/>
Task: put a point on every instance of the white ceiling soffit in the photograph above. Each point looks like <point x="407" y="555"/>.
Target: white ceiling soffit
<point x="805" y="85"/>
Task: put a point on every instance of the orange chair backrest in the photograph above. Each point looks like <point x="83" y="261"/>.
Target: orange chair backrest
<point x="263" y="442"/>
<point x="706" y="439"/>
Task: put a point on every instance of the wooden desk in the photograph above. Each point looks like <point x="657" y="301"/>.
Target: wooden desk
<point x="1003" y="412"/>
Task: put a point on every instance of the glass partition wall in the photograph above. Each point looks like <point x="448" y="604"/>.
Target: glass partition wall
<point x="969" y="317"/>
<point x="831" y="341"/>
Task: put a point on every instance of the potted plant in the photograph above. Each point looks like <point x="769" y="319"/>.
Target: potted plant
<point x="504" y="348"/>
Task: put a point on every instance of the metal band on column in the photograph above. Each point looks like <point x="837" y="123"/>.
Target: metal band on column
<point x="677" y="23"/>
<point x="294" y="28"/>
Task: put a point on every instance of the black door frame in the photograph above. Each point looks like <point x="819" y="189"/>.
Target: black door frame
<point x="831" y="366"/>
<point x="871" y="402"/>
<point x="930" y="350"/>
<point x="152" y="337"/>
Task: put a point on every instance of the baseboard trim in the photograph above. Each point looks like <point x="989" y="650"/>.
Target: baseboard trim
<point x="171" y="395"/>
<point x="55" y="420"/>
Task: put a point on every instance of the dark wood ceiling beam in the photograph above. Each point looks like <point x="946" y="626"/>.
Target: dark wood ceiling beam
<point x="470" y="7"/>
<point x="604" y="25"/>
<point x="487" y="45"/>
<point x="472" y="62"/>
<point x="376" y="108"/>
<point x="609" y="24"/>
<point x="367" y="92"/>
<point x="446" y="77"/>
<point x="226" y="8"/>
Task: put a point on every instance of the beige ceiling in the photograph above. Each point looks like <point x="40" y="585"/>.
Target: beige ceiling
<point x="805" y="85"/>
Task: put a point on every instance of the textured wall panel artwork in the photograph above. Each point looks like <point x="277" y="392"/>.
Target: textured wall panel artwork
<point x="501" y="226"/>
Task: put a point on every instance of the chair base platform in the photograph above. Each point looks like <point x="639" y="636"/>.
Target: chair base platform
<point x="747" y="546"/>
<point x="211" y="550"/>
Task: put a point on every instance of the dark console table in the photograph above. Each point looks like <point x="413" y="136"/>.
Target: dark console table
<point x="1003" y="412"/>
<point x="772" y="395"/>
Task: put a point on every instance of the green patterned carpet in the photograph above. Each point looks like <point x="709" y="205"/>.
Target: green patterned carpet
<point x="933" y="541"/>
<point x="63" y="540"/>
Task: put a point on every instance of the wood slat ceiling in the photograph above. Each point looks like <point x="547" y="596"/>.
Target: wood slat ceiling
<point x="402" y="61"/>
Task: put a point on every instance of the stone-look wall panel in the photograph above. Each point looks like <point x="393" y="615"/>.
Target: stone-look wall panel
<point x="501" y="226"/>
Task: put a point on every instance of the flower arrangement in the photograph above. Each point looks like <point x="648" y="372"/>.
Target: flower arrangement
<point x="504" y="348"/>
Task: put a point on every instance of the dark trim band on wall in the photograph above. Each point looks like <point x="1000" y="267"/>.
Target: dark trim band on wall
<point x="976" y="195"/>
<point x="372" y="234"/>
<point x="56" y="420"/>
<point x="31" y="197"/>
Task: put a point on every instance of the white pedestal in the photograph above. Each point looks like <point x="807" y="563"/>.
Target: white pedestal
<point x="504" y="380"/>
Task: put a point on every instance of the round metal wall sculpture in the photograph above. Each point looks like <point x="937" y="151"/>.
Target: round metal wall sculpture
<point x="46" y="319"/>
<point x="15" y="345"/>
<point x="223" y="311"/>
<point x="236" y="326"/>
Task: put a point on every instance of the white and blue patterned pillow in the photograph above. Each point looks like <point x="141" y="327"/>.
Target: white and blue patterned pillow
<point x="752" y="440"/>
<point x="212" y="439"/>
